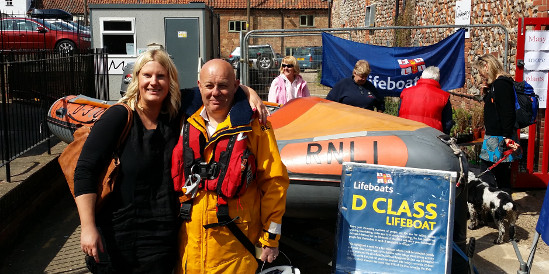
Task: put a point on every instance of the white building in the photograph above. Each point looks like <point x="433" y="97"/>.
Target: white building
<point x="15" y="7"/>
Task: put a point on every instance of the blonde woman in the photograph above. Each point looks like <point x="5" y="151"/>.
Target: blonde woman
<point x="289" y="84"/>
<point x="136" y="231"/>
<point x="499" y="120"/>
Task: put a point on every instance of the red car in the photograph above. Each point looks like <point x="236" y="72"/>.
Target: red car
<point x="26" y="33"/>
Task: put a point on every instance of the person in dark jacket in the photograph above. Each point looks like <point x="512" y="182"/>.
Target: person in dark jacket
<point x="427" y="103"/>
<point x="499" y="121"/>
<point x="357" y="90"/>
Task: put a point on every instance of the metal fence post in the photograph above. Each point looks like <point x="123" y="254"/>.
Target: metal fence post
<point x="5" y="121"/>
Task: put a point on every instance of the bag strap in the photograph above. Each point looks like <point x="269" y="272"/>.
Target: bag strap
<point x="128" y="126"/>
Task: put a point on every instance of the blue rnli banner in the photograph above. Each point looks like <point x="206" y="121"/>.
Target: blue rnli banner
<point x="543" y="220"/>
<point x="394" y="220"/>
<point x="394" y="68"/>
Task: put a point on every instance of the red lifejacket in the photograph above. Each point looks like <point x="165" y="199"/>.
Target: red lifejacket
<point x="229" y="172"/>
<point x="424" y="103"/>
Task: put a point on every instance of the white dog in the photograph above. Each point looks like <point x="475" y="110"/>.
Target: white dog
<point x="484" y="200"/>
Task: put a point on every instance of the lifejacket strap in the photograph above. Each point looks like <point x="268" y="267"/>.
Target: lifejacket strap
<point x="185" y="210"/>
<point x="225" y="220"/>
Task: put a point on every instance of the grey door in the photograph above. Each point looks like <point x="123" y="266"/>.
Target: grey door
<point x="183" y="44"/>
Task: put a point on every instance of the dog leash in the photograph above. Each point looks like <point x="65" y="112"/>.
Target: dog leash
<point x="505" y="156"/>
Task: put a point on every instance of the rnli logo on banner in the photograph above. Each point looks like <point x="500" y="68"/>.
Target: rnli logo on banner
<point x="384" y="178"/>
<point x="411" y="66"/>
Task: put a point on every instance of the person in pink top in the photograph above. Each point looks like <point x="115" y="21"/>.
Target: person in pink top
<point x="289" y="84"/>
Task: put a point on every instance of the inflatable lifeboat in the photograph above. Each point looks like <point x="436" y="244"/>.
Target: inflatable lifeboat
<point x="70" y="112"/>
<point x="315" y="137"/>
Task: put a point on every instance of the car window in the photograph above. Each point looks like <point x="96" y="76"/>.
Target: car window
<point x="7" y="24"/>
<point x="253" y="52"/>
<point x="62" y="25"/>
<point x="302" y="51"/>
<point x="24" y="25"/>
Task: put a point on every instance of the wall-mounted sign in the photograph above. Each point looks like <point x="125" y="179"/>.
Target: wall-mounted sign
<point x="536" y="62"/>
<point x="463" y="14"/>
<point x="181" y="34"/>
<point x="538" y="80"/>
<point x="536" y="40"/>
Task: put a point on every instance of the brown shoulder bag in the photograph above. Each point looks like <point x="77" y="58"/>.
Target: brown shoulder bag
<point x="69" y="158"/>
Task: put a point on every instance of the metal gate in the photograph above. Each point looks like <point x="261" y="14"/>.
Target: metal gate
<point x="532" y="169"/>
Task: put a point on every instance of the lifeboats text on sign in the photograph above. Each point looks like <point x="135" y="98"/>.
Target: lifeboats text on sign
<point x="536" y="62"/>
<point x="394" y="220"/>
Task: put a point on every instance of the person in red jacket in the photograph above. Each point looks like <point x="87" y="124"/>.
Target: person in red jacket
<point x="427" y="103"/>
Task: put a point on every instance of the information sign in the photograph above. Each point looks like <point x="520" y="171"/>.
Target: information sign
<point x="394" y="220"/>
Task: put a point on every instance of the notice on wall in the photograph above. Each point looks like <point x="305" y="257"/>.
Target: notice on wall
<point x="536" y="40"/>
<point x="463" y="14"/>
<point x="536" y="62"/>
<point x="539" y="81"/>
<point x="394" y="220"/>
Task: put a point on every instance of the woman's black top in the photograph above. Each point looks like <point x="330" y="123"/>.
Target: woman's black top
<point x="139" y="220"/>
<point x="499" y="108"/>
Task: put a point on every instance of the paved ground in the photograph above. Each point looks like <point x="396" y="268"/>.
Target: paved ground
<point x="52" y="246"/>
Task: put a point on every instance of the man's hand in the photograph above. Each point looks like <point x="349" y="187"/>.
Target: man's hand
<point x="269" y="254"/>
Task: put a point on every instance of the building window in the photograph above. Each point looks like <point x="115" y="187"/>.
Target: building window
<point x="118" y="35"/>
<point x="237" y="26"/>
<point x="370" y="16"/>
<point x="9" y="2"/>
<point x="306" y="21"/>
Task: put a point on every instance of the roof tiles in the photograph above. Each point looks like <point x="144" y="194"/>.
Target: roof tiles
<point x="77" y="6"/>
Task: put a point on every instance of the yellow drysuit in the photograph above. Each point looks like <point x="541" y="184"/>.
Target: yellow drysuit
<point x="260" y="209"/>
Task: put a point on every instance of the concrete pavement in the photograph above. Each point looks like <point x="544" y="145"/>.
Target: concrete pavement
<point x="52" y="244"/>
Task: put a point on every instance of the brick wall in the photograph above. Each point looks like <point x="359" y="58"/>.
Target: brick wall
<point x="270" y="19"/>
<point x="350" y="13"/>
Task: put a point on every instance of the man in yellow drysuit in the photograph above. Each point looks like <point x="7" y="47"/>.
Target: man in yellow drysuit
<point x="259" y="204"/>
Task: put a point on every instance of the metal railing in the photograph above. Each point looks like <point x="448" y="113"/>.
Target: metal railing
<point x="30" y="82"/>
<point x="248" y="76"/>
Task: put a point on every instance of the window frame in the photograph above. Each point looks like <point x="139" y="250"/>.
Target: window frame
<point x="370" y="16"/>
<point x="243" y="25"/>
<point x="308" y="17"/>
<point x="102" y="32"/>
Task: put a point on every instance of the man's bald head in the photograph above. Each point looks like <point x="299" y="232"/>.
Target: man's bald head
<point x="218" y="84"/>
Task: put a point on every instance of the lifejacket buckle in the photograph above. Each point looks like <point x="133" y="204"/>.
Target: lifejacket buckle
<point x="213" y="171"/>
<point x="191" y="184"/>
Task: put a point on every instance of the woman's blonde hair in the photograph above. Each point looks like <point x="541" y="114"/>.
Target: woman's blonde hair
<point x="493" y="67"/>
<point x="362" y="68"/>
<point x="172" y="102"/>
<point x="290" y="60"/>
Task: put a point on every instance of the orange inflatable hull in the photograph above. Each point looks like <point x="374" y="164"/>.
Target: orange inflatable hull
<point x="315" y="137"/>
<point x="70" y="112"/>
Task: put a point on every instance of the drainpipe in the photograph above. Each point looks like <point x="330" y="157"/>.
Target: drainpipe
<point x="248" y="16"/>
<point x="85" y="12"/>
<point x="396" y="11"/>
